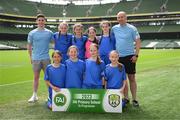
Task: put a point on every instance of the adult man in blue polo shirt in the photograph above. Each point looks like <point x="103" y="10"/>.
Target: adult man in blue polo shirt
<point x="126" y="35"/>
<point x="38" y="49"/>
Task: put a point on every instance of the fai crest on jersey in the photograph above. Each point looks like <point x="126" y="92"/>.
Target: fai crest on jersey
<point x="114" y="100"/>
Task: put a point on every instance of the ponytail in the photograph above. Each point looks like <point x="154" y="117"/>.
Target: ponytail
<point x="120" y="66"/>
<point x="98" y="60"/>
<point x="59" y="34"/>
<point x="95" y="41"/>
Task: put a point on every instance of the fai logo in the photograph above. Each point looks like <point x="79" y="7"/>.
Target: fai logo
<point x="60" y="99"/>
<point x="114" y="100"/>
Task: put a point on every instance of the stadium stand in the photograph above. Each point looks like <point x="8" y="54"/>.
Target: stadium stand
<point x="172" y="28"/>
<point x="149" y="16"/>
<point x="161" y="43"/>
<point x="53" y="10"/>
<point x="21" y="5"/>
<point x="173" y="5"/>
<point x="164" y="28"/>
<point x="12" y="29"/>
<point x="13" y="44"/>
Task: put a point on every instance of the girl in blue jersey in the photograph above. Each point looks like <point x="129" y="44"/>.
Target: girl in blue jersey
<point x="55" y="75"/>
<point x="62" y="40"/>
<point x="115" y="74"/>
<point x="94" y="70"/>
<point x="79" y="40"/>
<point x="75" y="69"/>
<point x="106" y="42"/>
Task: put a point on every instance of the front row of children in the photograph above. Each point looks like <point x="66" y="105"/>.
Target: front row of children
<point x="89" y="74"/>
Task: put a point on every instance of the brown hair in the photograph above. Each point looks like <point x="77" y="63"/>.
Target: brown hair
<point x="98" y="60"/>
<point x="95" y="39"/>
<point x="40" y="15"/>
<point x="58" y="52"/>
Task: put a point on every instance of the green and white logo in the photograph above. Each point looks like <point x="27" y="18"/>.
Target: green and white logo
<point x="114" y="100"/>
<point x="60" y="99"/>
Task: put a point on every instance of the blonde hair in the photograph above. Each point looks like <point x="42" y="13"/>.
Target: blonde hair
<point x="72" y="46"/>
<point x="105" y="22"/>
<point x="120" y="66"/>
<point x="63" y="23"/>
<point x="77" y="25"/>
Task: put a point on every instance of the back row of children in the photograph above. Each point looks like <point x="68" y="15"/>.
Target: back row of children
<point x="81" y="62"/>
<point x="63" y="40"/>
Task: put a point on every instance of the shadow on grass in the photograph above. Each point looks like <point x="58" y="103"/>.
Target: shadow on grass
<point x="39" y="110"/>
<point x="129" y="112"/>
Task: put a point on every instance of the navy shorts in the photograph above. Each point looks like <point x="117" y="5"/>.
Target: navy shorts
<point x="130" y="67"/>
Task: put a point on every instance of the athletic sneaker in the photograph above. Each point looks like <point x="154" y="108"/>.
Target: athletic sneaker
<point x="49" y="105"/>
<point x="123" y="103"/>
<point x="135" y="103"/>
<point x="33" y="99"/>
<point x="126" y="100"/>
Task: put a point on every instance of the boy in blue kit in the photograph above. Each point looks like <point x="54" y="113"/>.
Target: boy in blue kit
<point x="62" y="40"/>
<point x="75" y="69"/>
<point x="115" y="74"/>
<point x="106" y="42"/>
<point x="79" y="40"/>
<point x="55" y="75"/>
<point x="94" y="70"/>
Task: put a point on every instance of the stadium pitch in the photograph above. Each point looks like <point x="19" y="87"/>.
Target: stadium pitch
<point x="158" y="78"/>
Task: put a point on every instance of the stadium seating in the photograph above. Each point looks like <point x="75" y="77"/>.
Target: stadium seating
<point x="150" y="6"/>
<point x="161" y="43"/>
<point x="20" y="5"/>
<point x="15" y="43"/>
<point x="144" y="29"/>
<point x="125" y="6"/>
<point x="173" y="5"/>
<point x="138" y="6"/>
<point x="165" y="28"/>
<point x="6" y="29"/>
<point x="171" y="28"/>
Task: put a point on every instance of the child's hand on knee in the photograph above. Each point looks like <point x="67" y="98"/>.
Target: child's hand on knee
<point x="56" y="89"/>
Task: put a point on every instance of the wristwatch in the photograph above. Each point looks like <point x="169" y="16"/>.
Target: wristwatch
<point x="136" y="55"/>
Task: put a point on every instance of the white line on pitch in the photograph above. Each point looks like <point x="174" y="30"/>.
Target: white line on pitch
<point x="16" y="83"/>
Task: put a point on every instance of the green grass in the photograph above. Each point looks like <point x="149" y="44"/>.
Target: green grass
<point x="158" y="78"/>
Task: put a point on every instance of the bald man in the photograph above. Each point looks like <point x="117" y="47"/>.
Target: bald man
<point x="126" y="35"/>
